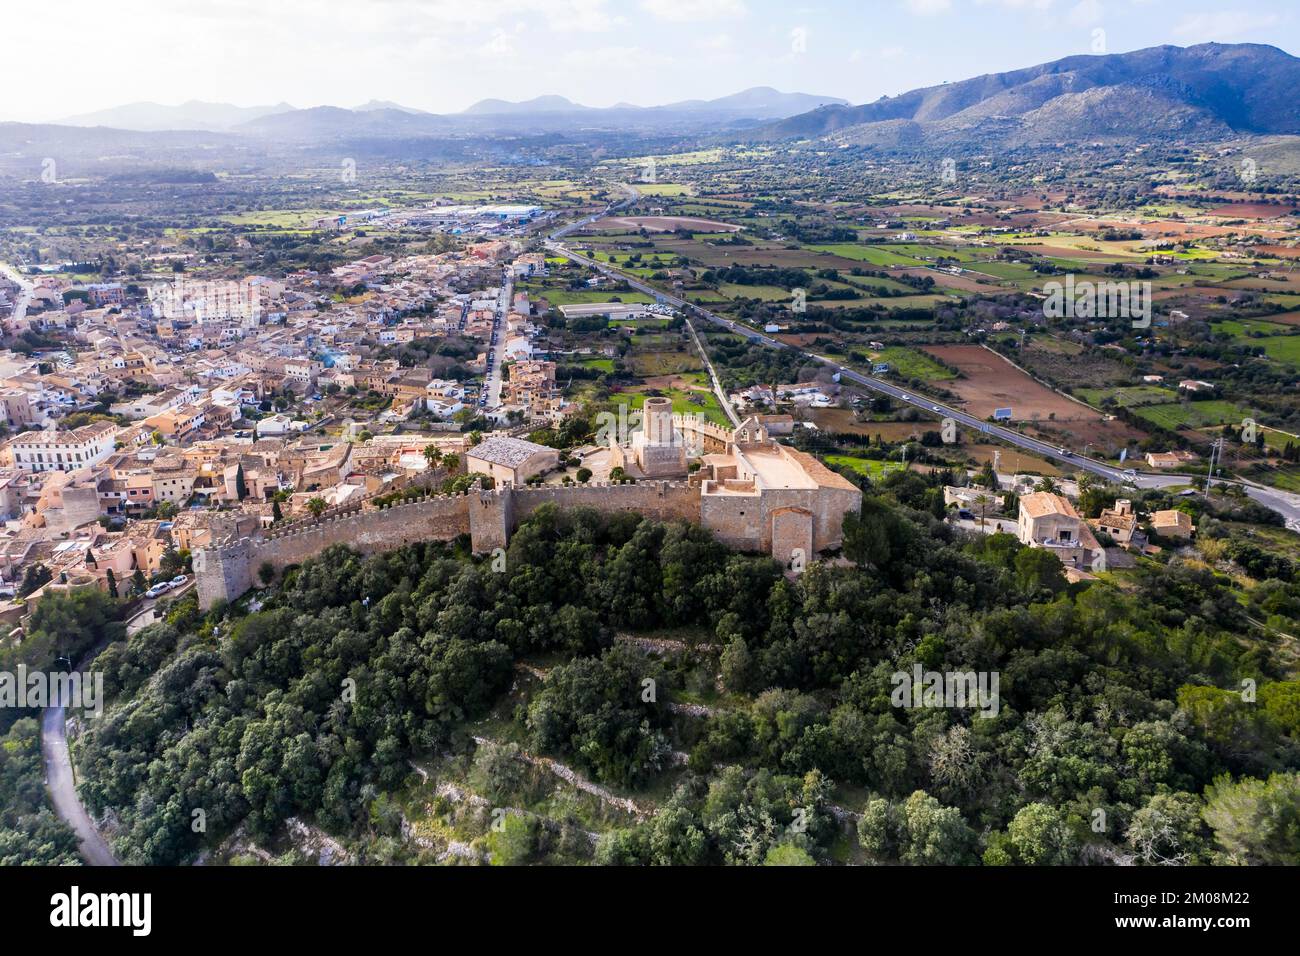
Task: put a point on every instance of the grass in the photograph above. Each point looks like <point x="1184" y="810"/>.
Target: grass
<point x="565" y="297"/>
<point x="685" y="403"/>
<point x="1128" y="396"/>
<point x="909" y="363"/>
<point x="767" y="293"/>
<point x="870" y="467"/>
<point x="1176" y="415"/>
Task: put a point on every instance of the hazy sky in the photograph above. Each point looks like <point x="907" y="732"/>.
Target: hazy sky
<point x="70" y="56"/>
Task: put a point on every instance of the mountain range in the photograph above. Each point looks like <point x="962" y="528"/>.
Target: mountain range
<point x="1200" y="92"/>
<point x="385" y="118"/>
<point x="195" y="114"/>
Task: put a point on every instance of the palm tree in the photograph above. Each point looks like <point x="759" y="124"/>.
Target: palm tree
<point x="983" y="501"/>
<point x="433" y="455"/>
<point x="1047" y="483"/>
<point x="317" y="506"/>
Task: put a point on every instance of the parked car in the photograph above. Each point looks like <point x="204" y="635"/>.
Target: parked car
<point x="179" y="580"/>
<point x="157" y="591"/>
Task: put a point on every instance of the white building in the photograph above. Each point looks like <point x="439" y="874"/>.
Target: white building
<point x="64" y="451"/>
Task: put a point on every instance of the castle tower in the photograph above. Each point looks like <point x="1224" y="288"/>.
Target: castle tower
<point x="657" y="421"/>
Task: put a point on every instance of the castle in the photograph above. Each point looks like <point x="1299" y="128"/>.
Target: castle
<point x="754" y="495"/>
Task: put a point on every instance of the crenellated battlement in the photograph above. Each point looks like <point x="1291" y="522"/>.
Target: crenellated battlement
<point x="490" y="516"/>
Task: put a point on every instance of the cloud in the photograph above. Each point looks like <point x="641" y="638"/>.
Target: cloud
<point x="1086" y="13"/>
<point x="927" y="8"/>
<point x="693" y="11"/>
<point x="1223" y="25"/>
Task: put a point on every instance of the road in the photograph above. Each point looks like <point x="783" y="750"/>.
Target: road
<point x="59" y="778"/>
<point x="1285" y="503"/>
<point x="24" y="297"/>
<point x="718" y="390"/>
<point x="500" y="327"/>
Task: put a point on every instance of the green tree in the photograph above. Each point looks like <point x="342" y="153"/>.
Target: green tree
<point x="316" y="506"/>
<point x="1041" y="836"/>
<point x="1256" y="822"/>
<point x="512" y="841"/>
<point x="784" y="854"/>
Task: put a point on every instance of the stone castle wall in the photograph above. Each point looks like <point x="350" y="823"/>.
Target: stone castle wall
<point x="744" y="522"/>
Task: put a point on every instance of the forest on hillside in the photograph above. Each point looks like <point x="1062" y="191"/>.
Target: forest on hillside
<point x="408" y="706"/>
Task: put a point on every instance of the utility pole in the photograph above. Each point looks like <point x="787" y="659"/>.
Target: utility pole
<point x="1216" y="450"/>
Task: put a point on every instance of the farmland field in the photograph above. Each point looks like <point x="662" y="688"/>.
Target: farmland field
<point x="1176" y="415"/>
<point x="990" y="382"/>
<point x="1128" y="397"/>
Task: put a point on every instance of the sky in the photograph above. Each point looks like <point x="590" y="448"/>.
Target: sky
<point x="71" y="56"/>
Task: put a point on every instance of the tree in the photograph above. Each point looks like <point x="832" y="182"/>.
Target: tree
<point x="111" y="580"/>
<point x="35" y="577"/>
<point x="513" y="840"/>
<point x="451" y="463"/>
<point x="138" y="583"/>
<point x="317" y="506"/>
<point x="277" y="513"/>
<point x="784" y="854"/>
<point x="584" y="475"/>
<point x="919" y="832"/>
<point x="433" y="455"/>
<point x="1038" y="569"/>
<point x="241" y="488"/>
<point x="1041" y="837"/>
<point x="1256" y="822"/>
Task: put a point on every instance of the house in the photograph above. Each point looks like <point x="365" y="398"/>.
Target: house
<point x="512" y="460"/>
<point x="64" y="451"/>
<point x="1119" y="522"/>
<point x="1169" y="459"/>
<point x="970" y="498"/>
<point x="1173" y="524"/>
<point x="1049" y="521"/>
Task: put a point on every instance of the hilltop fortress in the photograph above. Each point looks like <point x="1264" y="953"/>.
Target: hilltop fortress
<point x="754" y="494"/>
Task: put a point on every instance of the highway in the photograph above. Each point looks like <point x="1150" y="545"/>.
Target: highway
<point x="1288" y="505"/>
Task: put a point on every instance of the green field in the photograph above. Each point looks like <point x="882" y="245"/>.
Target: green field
<point x="870" y="467"/>
<point x="684" y="403"/>
<point x="565" y="297"/>
<point x="1176" y="415"/>
<point x="909" y="363"/>
<point x="1128" y="397"/>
